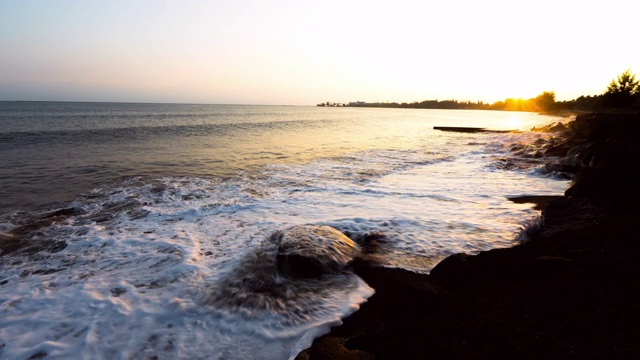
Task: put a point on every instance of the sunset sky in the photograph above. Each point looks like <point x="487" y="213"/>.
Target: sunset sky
<point x="303" y="52"/>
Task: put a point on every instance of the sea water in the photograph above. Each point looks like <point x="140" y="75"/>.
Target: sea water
<point x="174" y="204"/>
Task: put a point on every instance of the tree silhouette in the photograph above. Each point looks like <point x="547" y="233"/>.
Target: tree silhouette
<point x="623" y="91"/>
<point x="545" y="101"/>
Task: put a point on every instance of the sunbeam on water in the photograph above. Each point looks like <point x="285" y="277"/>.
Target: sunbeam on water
<point x="170" y="262"/>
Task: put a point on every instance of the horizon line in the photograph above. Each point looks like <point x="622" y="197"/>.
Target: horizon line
<point x="139" y="102"/>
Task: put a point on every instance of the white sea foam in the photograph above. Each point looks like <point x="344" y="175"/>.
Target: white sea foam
<point x="131" y="282"/>
<point x="149" y="263"/>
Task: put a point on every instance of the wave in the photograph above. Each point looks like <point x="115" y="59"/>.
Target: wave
<point x="145" y="260"/>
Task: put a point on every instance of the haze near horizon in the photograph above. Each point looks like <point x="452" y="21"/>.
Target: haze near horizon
<point x="299" y="53"/>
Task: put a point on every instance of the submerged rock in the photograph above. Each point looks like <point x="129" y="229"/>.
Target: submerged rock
<point x="312" y="251"/>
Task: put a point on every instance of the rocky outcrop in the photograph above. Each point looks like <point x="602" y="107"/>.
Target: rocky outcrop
<point x="571" y="291"/>
<point x="602" y="151"/>
<point x="609" y="172"/>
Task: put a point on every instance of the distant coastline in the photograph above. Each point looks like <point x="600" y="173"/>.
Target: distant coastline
<point x="545" y="102"/>
<point x="623" y="93"/>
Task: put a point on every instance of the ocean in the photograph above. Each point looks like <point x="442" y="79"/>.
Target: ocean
<point x="171" y="205"/>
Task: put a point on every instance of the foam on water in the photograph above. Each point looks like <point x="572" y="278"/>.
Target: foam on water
<point x="139" y="272"/>
<point x="182" y="267"/>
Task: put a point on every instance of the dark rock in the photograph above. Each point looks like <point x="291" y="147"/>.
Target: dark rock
<point x="561" y="168"/>
<point x="551" y="128"/>
<point x="540" y="141"/>
<point x="459" y="129"/>
<point x="559" y="127"/>
<point x="311" y="251"/>
<point x="450" y="270"/>
<point x="371" y="242"/>
<point x="615" y="153"/>
<point x="303" y="266"/>
<point x="557" y="150"/>
<point x="539" y="200"/>
<point x="580" y="155"/>
<point x="616" y="185"/>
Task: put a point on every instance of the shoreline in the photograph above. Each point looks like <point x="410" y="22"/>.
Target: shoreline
<point x="570" y="291"/>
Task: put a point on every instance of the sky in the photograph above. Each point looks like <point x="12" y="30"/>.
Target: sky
<point x="306" y="52"/>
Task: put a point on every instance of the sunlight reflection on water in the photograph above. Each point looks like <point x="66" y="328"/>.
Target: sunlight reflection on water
<point x="172" y="201"/>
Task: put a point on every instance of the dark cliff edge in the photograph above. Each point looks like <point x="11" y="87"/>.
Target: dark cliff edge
<point x="571" y="291"/>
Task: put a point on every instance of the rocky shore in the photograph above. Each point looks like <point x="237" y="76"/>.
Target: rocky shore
<point x="571" y="291"/>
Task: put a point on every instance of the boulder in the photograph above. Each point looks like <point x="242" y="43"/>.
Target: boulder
<point x="313" y="251"/>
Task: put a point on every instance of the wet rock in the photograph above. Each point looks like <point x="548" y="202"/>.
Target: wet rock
<point x="516" y="147"/>
<point x="538" y="200"/>
<point x="580" y="154"/>
<point x="560" y="149"/>
<point x="539" y="141"/>
<point x="312" y="251"/>
<point x="371" y="241"/>
<point x="560" y="168"/>
<point x="551" y="128"/>
<point x="256" y="289"/>
<point x="559" y="127"/>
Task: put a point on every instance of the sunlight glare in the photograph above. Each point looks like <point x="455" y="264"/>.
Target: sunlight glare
<point x="514" y="123"/>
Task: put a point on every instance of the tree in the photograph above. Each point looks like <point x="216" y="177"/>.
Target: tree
<point x="623" y="91"/>
<point x="545" y="101"/>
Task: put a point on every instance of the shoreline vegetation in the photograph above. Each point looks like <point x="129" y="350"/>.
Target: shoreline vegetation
<point x="570" y="289"/>
<point x="622" y="93"/>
